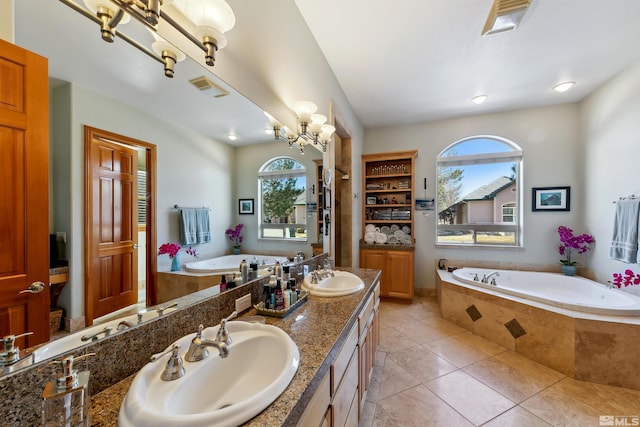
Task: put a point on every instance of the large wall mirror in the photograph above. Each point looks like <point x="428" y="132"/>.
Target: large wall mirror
<point x="115" y="87"/>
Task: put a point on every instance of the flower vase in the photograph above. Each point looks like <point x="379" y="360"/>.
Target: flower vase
<point x="569" y="270"/>
<point x="236" y="250"/>
<point x="175" y="263"/>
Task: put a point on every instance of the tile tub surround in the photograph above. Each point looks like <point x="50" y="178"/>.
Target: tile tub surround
<point x="124" y="353"/>
<point x="588" y="347"/>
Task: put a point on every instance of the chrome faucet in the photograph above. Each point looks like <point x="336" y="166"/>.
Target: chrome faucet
<point x="106" y="331"/>
<point x="174" y="368"/>
<point x="161" y="310"/>
<point x="315" y="277"/>
<point x="124" y="324"/>
<point x="486" y="277"/>
<point x="198" y="348"/>
<point x="223" y="332"/>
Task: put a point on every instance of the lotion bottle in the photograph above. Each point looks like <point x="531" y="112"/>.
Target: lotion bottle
<point x="279" y="300"/>
<point x="244" y="271"/>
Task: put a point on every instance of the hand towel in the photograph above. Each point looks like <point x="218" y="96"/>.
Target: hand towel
<point x="202" y="226"/>
<point x="188" y="227"/>
<point x="624" y="245"/>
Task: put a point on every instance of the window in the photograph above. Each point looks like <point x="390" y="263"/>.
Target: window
<point x="479" y="192"/>
<point x="283" y="200"/>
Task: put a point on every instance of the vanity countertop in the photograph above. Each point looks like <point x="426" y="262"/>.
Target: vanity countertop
<point x="318" y="327"/>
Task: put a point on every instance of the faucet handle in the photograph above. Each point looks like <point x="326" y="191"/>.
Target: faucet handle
<point x="161" y="310"/>
<point x="174" y="368"/>
<point x="223" y="332"/>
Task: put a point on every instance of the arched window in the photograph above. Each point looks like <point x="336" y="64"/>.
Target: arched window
<point x="283" y="199"/>
<point x="479" y="193"/>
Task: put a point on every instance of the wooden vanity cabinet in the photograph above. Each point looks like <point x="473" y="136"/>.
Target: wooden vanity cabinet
<point x="397" y="280"/>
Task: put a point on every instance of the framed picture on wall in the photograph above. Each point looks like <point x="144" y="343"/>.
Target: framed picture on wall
<point x="245" y="207"/>
<point x="551" y="199"/>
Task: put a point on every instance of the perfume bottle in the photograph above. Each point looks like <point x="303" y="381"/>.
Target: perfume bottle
<point x="65" y="402"/>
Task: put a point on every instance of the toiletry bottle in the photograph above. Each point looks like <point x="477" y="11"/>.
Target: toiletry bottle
<point x="253" y="271"/>
<point x="244" y="271"/>
<point x="65" y="402"/>
<point x="223" y="283"/>
<point x="277" y="270"/>
<point x="272" y="295"/>
<point x="292" y="286"/>
<point x="232" y="283"/>
<point x="285" y="273"/>
<point x="266" y="295"/>
<point x="279" y="296"/>
<point x="286" y="295"/>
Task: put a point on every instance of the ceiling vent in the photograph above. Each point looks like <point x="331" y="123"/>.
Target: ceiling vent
<point x="208" y="87"/>
<point x="505" y="15"/>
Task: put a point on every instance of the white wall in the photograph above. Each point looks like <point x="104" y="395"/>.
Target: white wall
<point x="249" y="159"/>
<point x="192" y="170"/>
<point x="611" y="133"/>
<point x="550" y="141"/>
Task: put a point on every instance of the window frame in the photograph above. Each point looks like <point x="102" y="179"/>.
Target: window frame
<point x="514" y="154"/>
<point x="275" y="174"/>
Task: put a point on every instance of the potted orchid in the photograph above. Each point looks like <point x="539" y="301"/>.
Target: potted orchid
<point x="173" y="249"/>
<point x="569" y="243"/>
<point x="628" y="279"/>
<point x="235" y="236"/>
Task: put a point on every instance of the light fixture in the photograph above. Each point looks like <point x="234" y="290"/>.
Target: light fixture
<point x="210" y="19"/>
<point x="311" y="128"/>
<point x="563" y="86"/>
<point x="505" y="15"/>
<point x="232" y="137"/>
<point x="479" y="99"/>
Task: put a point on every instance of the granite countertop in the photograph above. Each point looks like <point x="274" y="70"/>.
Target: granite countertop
<point x="318" y="327"/>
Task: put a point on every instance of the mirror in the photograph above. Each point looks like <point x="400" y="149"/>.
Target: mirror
<point x="120" y="72"/>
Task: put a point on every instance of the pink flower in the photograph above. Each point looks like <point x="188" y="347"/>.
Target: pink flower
<point x="570" y="242"/>
<point x="629" y="279"/>
<point x="234" y="234"/>
<point x="172" y="250"/>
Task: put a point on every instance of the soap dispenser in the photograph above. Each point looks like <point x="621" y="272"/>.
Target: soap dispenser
<point x="65" y="402"/>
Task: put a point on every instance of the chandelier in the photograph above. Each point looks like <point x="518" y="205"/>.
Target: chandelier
<point x="311" y="128"/>
<point x="207" y="19"/>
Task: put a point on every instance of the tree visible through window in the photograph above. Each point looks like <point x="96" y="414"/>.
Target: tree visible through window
<point x="283" y="213"/>
<point x="478" y="192"/>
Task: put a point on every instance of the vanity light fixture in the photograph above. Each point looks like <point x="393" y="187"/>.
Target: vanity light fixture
<point x="207" y="19"/>
<point x="232" y="137"/>
<point x="312" y="128"/>
<point x="563" y="87"/>
<point x="505" y="15"/>
<point x="479" y="99"/>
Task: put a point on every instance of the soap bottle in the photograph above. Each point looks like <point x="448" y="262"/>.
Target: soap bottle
<point x="279" y="300"/>
<point x="65" y="402"/>
<point x="244" y="271"/>
<point x="223" y="283"/>
<point x="286" y="295"/>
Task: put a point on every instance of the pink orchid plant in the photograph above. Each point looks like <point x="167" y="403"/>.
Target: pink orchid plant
<point x="235" y="234"/>
<point x="569" y="243"/>
<point x="172" y="250"/>
<point x="629" y="279"/>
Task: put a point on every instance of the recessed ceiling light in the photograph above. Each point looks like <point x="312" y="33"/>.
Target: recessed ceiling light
<point x="564" y="86"/>
<point x="479" y="99"/>
<point x="232" y="137"/>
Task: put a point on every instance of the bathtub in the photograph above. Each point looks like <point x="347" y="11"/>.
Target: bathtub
<point x="571" y="292"/>
<point x="229" y="263"/>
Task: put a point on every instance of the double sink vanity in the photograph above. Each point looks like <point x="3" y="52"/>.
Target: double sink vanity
<point x="311" y="367"/>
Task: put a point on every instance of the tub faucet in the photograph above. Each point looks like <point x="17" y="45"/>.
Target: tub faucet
<point x="198" y="348"/>
<point x="486" y="277"/>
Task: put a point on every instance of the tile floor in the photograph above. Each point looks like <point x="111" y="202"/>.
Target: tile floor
<point x="430" y="372"/>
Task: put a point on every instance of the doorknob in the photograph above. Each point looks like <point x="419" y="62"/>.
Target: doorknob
<point x="135" y="246"/>
<point x="34" y="288"/>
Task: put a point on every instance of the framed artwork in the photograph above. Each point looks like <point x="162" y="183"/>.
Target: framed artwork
<point x="551" y="199"/>
<point x="245" y="207"/>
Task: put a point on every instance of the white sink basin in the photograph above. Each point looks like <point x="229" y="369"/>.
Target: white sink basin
<point x="223" y="392"/>
<point x="343" y="283"/>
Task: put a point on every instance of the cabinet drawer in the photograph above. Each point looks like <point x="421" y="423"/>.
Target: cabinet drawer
<point x="317" y="406"/>
<point x="348" y="388"/>
<point x="340" y="365"/>
<point x="363" y="318"/>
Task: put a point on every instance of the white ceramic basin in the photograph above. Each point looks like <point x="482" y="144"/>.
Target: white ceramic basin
<point x="261" y="363"/>
<point x="343" y="283"/>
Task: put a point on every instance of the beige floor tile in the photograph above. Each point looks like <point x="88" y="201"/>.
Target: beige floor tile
<point x="395" y="379"/>
<point x="531" y="368"/>
<point x="420" y="331"/>
<point x="386" y="305"/>
<point x="471" y="398"/>
<point x="392" y="340"/>
<point x="444" y="326"/>
<point x="456" y="352"/>
<point x="422" y="311"/>
<point x="508" y="381"/>
<point x="560" y="409"/>
<point x="606" y="399"/>
<point x="393" y="317"/>
<point x="420" y="407"/>
<point x="422" y="363"/>
<point x="516" y="417"/>
<point x="381" y="418"/>
<point x="380" y="357"/>
<point x="479" y="343"/>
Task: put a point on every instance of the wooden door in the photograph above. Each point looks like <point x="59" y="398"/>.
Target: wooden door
<point x="24" y="194"/>
<point x="111" y="281"/>
<point x="400" y="274"/>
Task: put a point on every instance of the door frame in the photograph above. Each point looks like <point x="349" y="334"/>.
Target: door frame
<point x="151" y="238"/>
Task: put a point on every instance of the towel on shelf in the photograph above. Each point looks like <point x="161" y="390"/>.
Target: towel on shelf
<point x="202" y="226"/>
<point x="188" y="226"/>
<point x="624" y="245"/>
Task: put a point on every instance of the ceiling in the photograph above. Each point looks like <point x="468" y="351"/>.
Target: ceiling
<point x="410" y="61"/>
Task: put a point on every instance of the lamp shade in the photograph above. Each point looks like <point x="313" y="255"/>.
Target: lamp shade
<point x="317" y="120"/>
<point x="304" y="110"/>
<point x="326" y="132"/>
<point x="212" y="18"/>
